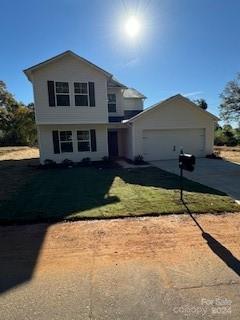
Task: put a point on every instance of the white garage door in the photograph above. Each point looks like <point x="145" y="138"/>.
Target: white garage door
<point x="166" y="144"/>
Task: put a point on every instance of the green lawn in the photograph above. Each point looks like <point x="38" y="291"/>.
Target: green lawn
<point x="75" y="193"/>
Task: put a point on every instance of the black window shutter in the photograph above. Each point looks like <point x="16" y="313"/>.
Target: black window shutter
<point x="91" y="91"/>
<point x="93" y="140"/>
<point x="51" y="94"/>
<point x="55" y="136"/>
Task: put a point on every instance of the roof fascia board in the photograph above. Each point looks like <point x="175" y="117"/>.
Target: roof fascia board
<point x="178" y="96"/>
<point x="29" y="71"/>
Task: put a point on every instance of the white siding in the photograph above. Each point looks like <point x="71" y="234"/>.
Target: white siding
<point x="177" y="114"/>
<point x="133" y="104"/>
<point x="46" y="143"/>
<point x="119" y="102"/>
<point x="127" y="143"/>
<point x="69" y="69"/>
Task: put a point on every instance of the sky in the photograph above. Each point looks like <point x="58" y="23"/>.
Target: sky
<point x="183" y="46"/>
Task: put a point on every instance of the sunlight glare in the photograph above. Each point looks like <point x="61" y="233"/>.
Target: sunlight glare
<point x="132" y="27"/>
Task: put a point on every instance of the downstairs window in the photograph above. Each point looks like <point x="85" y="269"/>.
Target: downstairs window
<point x="66" y="143"/>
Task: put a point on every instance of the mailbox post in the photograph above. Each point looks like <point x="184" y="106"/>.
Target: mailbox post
<point x="186" y="162"/>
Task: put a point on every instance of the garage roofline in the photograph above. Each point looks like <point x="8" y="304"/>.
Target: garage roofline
<point x="160" y="103"/>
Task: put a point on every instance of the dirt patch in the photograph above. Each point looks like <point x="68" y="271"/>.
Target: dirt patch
<point x="172" y="240"/>
<point x="233" y="156"/>
<point x="15" y="168"/>
<point x="18" y="153"/>
<point x="229" y="153"/>
<point x="109" y="269"/>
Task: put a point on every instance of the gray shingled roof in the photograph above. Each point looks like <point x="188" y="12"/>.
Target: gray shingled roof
<point x="115" y="83"/>
<point x="132" y="93"/>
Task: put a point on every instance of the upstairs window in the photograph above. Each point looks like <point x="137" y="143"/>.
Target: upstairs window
<point x="83" y="138"/>
<point x="112" y="102"/>
<point x="62" y="94"/>
<point x="66" y="143"/>
<point x="81" y="94"/>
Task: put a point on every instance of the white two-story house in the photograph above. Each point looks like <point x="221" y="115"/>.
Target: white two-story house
<point x="83" y="111"/>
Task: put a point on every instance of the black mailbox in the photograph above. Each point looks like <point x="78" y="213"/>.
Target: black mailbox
<point x="187" y="161"/>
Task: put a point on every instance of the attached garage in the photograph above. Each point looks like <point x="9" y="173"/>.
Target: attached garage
<point x="166" y="144"/>
<point x="159" y="132"/>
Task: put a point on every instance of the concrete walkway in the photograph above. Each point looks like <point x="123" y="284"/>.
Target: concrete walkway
<point x="219" y="174"/>
<point x="126" y="165"/>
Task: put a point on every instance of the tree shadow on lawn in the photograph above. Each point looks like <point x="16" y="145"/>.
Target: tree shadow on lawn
<point x="41" y="196"/>
<point x="53" y="195"/>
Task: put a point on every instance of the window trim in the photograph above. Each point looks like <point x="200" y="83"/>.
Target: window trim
<point x="112" y="103"/>
<point x="62" y="94"/>
<point x="70" y="141"/>
<point x="81" y="94"/>
<point x="89" y="140"/>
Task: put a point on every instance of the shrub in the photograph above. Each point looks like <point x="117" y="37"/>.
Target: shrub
<point x="138" y="159"/>
<point x="86" y="162"/>
<point x="106" y="159"/>
<point x="67" y="163"/>
<point x="48" y="163"/>
<point x="214" y="155"/>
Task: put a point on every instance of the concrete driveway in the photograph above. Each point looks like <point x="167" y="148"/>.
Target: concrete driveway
<point x="219" y="174"/>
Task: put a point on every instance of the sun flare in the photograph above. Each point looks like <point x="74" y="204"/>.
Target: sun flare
<point x="132" y="27"/>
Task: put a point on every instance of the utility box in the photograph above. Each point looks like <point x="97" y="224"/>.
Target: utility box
<point x="187" y="161"/>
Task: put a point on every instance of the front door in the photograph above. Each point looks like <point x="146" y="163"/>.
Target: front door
<point x="112" y="143"/>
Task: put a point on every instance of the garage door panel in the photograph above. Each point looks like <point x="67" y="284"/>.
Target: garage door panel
<point x="166" y="144"/>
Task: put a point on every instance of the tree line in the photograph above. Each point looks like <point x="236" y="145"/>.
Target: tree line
<point x="17" y="121"/>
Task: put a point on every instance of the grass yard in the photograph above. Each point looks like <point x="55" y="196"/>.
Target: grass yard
<point x="77" y="193"/>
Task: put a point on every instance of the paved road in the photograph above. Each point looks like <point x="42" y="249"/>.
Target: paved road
<point x="152" y="268"/>
<point x="219" y="174"/>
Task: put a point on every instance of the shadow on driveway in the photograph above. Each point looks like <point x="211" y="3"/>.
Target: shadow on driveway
<point x="219" y="174"/>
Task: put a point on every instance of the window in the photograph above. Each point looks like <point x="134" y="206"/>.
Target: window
<point x="111" y="102"/>
<point x="81" y="93"/>
<point x="83" y="138"/>
<point x="66" y="143"/>
<point x="62" y="94"/>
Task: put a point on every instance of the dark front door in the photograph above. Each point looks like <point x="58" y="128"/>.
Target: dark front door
<point x="112" y="143"/>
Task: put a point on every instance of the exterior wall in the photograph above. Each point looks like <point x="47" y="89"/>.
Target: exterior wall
<point x="125" y="107"/>
<point x="125" y="141"/>
<point x="121" y="143"/>
<point x="176" y="114"/>
<point x="46" y="143"/>
<point x="119" y="102"/>
<point x="133" y="104"/>
<point x="69" y="69"/>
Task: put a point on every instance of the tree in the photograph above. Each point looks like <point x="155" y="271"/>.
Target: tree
<point x="6" y="98"/>
<point x="17" y="122"/>
<point x="230" y="105"/>
<point x="201" y="103"/>
<point x="226" y="136"/>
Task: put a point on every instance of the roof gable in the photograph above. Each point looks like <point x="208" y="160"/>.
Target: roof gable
<point x="28" y="71"/>
<point x="175" y="97"/>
